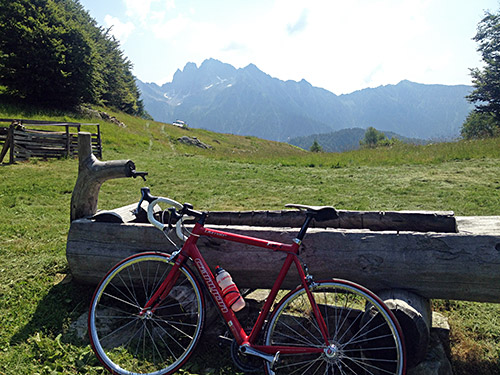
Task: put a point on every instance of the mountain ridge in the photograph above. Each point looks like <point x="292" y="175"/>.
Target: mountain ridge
<point x="247" y="101"/>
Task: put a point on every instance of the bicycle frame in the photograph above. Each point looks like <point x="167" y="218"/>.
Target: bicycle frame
<point x="190" y="250"/>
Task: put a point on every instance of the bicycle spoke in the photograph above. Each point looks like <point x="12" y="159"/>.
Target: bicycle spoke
<point x="181" y="324"/>
<point x="174" y="340"/>
<point x="124" y="314"/>
<point x="155" y="347"/>
<point x="128" y="297"/>
<point x="344" y="363"/>
<point x="367" y="366"/>
<point x="301" y="338"/>
<point x="168" y="347"/>
<point x="174" y="327"/>
<point x="122" y="301"/>
<point x="305" y="364"/>
<point x="342" y="372"/>
<point x="163" y="307"/>
<point x="381" y="348"/>
<point x="309" y="317"/>
<point x="117" y="330"/>
<point x="131" y="291"/>
<point x="371" y="339"/>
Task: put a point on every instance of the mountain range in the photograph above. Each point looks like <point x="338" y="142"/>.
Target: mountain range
<point x="246" y="101"/>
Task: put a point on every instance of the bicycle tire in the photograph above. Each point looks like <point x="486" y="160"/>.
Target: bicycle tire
<point x="364" y="336"/>
<point x="156" y="343"/>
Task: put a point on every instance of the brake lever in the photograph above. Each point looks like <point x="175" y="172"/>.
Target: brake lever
<point x="173" y="215"/>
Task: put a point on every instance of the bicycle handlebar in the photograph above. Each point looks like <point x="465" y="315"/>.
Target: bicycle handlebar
<point x="184" y="211"/>
<point x="156" y="201"/>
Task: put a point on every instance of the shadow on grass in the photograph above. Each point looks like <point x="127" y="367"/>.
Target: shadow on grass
<point x="63" y="304"/>
<point x="48" y="343"/>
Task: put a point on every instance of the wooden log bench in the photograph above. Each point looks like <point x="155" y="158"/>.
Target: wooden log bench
<point x="407" y="258"/>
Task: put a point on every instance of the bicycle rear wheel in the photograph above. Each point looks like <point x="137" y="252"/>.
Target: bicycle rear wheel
<point x="156" y="342"/>
<point x="364" y="337"/>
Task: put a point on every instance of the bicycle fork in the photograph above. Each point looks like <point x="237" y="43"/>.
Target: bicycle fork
<point x="163" y="290"/>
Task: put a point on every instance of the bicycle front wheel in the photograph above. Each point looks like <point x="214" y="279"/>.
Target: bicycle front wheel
<point x="156" y="342"/>
<point x="364" y="338"/>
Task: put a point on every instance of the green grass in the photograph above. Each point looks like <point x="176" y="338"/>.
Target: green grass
<point x="38" y="304"/>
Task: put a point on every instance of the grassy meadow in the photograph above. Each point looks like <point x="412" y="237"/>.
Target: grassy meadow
<point x="39" y="303"/>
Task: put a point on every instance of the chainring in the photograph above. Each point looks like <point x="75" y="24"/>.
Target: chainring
<point x="246" y="363"/>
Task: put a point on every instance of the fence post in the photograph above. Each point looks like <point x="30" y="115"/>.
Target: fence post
<point x="6" y="146"/>
<point x="67" y="142"/>
<point x="99" y="144"/>
<point x="11" y="142"/>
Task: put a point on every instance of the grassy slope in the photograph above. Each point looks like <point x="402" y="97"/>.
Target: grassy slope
<point x="37" y="306"/>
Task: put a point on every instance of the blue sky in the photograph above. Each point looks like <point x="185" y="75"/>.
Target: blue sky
<point x="341" y="46"/>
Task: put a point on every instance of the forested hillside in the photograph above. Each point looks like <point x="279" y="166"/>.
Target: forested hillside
<point x="53" y="53"/>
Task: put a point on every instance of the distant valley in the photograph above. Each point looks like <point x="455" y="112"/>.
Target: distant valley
<point x="218" y="97"/>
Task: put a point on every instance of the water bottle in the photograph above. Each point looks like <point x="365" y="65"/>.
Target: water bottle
<point x="230" y="292"/>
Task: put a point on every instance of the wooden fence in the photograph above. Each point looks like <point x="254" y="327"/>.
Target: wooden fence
<point x="22" y="143"/>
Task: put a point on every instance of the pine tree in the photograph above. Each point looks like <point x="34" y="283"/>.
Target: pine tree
<point x="486" y="93"/>
<point x="316" y="147"/>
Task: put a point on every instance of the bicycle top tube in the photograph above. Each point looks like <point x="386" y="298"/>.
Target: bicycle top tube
<point x="200" y="230"/>
<point x="311" y="212"/>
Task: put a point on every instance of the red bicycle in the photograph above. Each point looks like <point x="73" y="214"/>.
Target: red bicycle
<point x="147" y="313"/>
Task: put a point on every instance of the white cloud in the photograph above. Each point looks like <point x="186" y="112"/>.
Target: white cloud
<point x="169" y="4"/>
<point x="170" y="28"/>
<point x="234" y="46"/>
<point x="138" y="9"/>
<point x="145" y="11"/>
<point x="299" y="25"/>
<point x="120" y="30"/>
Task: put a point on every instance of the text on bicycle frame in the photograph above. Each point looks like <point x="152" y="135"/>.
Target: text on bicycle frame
<point x="211" y="286"/>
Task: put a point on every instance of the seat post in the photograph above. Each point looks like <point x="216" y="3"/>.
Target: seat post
<point x="303" y="230"/>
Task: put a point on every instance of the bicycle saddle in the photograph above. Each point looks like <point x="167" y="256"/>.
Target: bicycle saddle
<point x="319" y="213"/>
